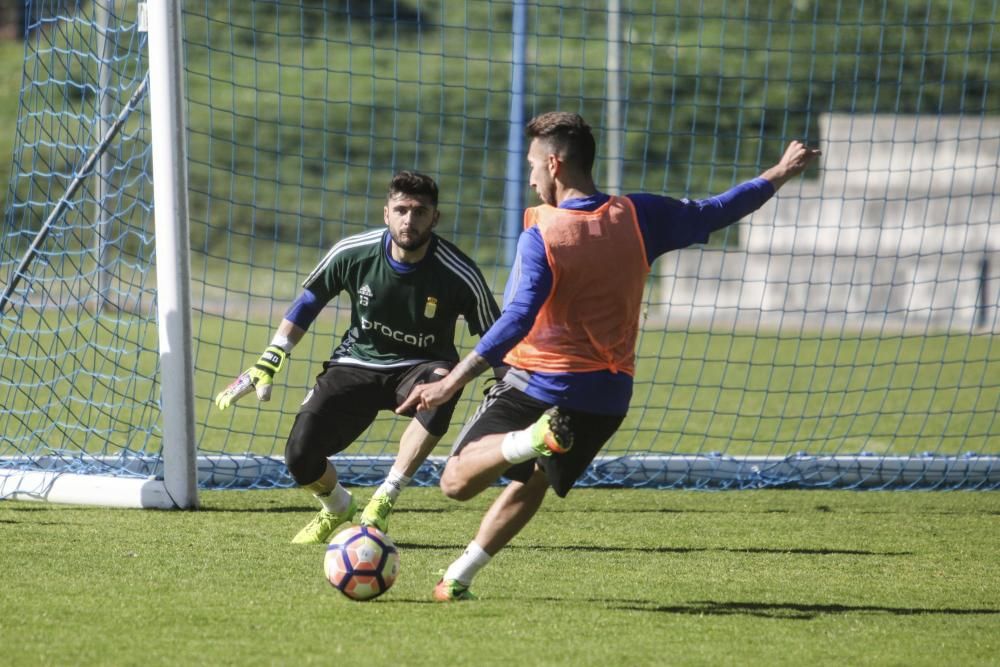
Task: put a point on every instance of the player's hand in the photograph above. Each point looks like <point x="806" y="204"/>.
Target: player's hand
<point x="796" y="158"/>
<point x="427" y="396"/>
<point x="256" y="378"/>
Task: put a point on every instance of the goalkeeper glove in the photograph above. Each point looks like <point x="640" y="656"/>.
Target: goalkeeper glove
<point x="258" y="377"/>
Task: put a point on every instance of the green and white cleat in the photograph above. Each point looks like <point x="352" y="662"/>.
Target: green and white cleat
<point x="377" y="512"/>
<point x="551" y="433"/>
<point x="450" y="590"/>
<point x="320" y="529"/>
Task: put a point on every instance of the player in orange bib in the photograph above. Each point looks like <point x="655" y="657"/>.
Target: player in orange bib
<point x="568" y="330"/>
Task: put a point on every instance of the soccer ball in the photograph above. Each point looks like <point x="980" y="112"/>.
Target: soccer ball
<point x="361" y="562"/>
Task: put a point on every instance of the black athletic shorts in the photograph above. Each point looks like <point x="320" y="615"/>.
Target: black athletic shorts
<point x="508" y="409"/>
<point x="346" y="400"/>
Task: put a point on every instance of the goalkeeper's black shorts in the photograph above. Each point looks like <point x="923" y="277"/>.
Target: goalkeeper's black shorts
<point x="346" y="400"/>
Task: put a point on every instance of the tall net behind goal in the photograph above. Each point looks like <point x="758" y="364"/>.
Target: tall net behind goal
<point x="78" y="356"/>
<point x="844" y="335"/>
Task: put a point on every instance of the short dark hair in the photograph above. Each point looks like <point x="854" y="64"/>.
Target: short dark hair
<point x="414" y="183"/>
<point x="568" y="135"/>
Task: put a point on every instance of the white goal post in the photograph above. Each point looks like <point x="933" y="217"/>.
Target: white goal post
<point x="176" y="485"/>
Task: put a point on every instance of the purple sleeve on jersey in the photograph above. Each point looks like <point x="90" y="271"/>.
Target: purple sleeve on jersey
<point x="304" y="309"/>
<point x="527" y="289"/>
<point x="669" y="224"/>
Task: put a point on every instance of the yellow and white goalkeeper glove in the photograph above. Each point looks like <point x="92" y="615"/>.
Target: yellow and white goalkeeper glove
<point x="256" y="378"/>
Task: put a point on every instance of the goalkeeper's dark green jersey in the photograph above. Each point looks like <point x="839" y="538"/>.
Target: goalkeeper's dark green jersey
<point x="402" y="314"/>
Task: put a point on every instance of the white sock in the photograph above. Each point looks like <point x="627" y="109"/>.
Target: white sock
<point x="393" y="484"/>
<point x="518" y="447"/>
<point x="335" y="501"/>
<point x="468" y="564"/>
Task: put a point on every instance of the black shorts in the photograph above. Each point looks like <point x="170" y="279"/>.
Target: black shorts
<point x="346" y="400"/>
<point x="508" y="409"/>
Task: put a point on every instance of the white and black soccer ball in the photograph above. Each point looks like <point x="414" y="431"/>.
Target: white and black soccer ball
<point x="361" y="562"/>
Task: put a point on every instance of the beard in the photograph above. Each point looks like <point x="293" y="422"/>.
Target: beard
<point x="547" y="194"/>
<point x="412" y="241"/>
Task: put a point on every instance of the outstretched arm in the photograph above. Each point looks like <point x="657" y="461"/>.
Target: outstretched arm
<point x="527" y="288"/>
<point x="433" y="394"/>
<point x="260" y="376"/>
<point x="669" y="224"/>
<point x="797" y="157"/>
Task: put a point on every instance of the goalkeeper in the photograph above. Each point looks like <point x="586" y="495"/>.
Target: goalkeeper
<point x="407" y="288"/>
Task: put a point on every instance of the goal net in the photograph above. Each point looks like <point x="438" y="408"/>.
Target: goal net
<point x="845" y="335"/>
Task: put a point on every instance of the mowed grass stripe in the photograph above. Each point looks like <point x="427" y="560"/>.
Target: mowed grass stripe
<point x="603" y="577"/>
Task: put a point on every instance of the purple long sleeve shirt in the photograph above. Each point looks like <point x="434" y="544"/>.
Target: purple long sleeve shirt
<point x="665" y="224"/>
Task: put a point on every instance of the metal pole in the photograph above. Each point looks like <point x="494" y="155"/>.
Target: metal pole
<point x="173" y="261"/>
<point x="613" y="115"/>
<point x="101" y="185"/>
<point x="513" y="197"/>
<point x="983" y="296"/>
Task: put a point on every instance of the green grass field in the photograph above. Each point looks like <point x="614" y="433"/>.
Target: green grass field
<point x="605" y="577"/>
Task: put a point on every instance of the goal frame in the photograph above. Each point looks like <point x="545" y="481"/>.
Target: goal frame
<point x="175" y="484"/>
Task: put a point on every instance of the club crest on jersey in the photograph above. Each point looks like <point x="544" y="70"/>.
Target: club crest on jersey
<point x="430" y="308"/>
<point x="365" y="294"/>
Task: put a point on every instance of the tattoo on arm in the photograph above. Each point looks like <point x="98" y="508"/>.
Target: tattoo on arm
<point x="469" y="368"/>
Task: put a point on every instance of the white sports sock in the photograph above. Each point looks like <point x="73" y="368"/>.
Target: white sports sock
<point x="335" y="501"/>
<point x="468" y="564"/>
<point x="518" y="447"/>
<point x="393" y="484"/>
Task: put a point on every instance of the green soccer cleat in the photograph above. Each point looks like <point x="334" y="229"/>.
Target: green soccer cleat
<point x="551" y="434"/>
<point x="320" y="529"/>
<point x="377" y="512"/>
<point x="450" y="590"/>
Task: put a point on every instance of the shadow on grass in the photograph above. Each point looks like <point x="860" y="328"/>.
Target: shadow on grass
<point x="792" y="610"/>
<point x="455" y="546"/>
<point x="305" y="508"/>
<point x="734" y="550"/>
<point x="552" y="508"/>
<point x="390" y="599"/>
<point x="669" y="550"/>
<point x="32" y="523"/>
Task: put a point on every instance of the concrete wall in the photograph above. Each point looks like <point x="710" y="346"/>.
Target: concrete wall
<point x="901" y="231"/>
